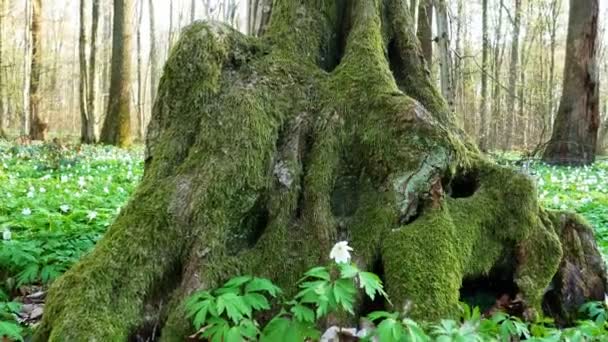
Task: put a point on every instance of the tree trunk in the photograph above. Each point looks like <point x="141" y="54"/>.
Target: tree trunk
<point x="574" y="139"/>
<point x="259" y="157"/>
<point x="445" y="55"/>
<point x="2" y="79"/>
<point x="117" y="125"/>
<point x="140" y="82"/>
<point x="483" y="107"/>
<point x="27" y="65"/>
<point x="425" y="30"/>
<point x="92" y="77"/>
<point x="84" y="77"/>
<point x="38" y="128"/>
<point x="497" y="118"/>
<point x="513" y="68"/>
<point x="555" y="13"/>
<point x="153" y="52"/>
<point x="192" y="11"/>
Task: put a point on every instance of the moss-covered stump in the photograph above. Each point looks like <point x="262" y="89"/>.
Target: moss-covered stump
<point x="262" y="153"/>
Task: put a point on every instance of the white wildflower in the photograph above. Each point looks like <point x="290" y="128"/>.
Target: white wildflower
<point x="64" y="207"/>
<point x="6" y="235"/>
<point x="30" y="194"/>
<point x="106" y="190"/>
<point x="42" y="190"/>
<point x="26" y="212"/>
<point x="555" y="200"/>
<point x="92" y="215"/>
<point x="341" y="252"/>
<point x="64" y="179"/>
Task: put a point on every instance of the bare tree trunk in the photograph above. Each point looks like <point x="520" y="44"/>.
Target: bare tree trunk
<point x="497" y="118"/>
<point x="171" y="28"/>
<point x="140" y="82"/>
<point x="413" y="7"/>
<point x="425" y="30"/>
<point x="153" y="53"/>
<point x="27" y="65"/>
<point x="92" y="88"/>
<point x="192" y="11"/>
<point x="83" y="79"/>
<point x="483" y="107"/>
<point x="443" y="40"/>
<point x="2" y="80"/>
<point x="38" y="128"/>
<point x="555" y="13"/>
<point x="117" y="124"/>
<point x="258" y="16"/>
<point x="575" y="132"/>
<point x="513" y="72"/>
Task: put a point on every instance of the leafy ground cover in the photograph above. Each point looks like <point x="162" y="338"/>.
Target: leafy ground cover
<point x="57" y="201"/>
<point x="583" y="190"/>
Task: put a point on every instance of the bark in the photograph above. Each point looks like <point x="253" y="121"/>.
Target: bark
<point x="445" y="55"/>
<point x="555" y="13"/>
<point x="38" y="128"/>
<point x="513" y="72"/>
<point x="260" y="155"/>
<point x="140" y="79"/>
<point x="117" y="124"/>
<point x="192" y="11"/>
<point x="258" y="16"/>
<point x="575" y="132"/>
<point x="92" y="89"/>
<point x="2" y="79"/>
<point x="84" y="83"/>
<point x="483" y="107"/>
<point x="27" y="65"/>
<point x="425" y="29"/>
<point x="153" y="52"/>
<point x="496" y="90"/>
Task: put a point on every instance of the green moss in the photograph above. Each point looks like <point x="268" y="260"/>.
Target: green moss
<point x="426" y="261"/>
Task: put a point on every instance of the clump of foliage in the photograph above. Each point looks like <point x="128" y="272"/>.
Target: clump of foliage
<point x="56" y="204"/>
<point x="229" y="313"/>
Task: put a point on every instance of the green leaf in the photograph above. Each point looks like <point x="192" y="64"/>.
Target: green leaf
<point x="256" y="301"/>
<point x="233" y="335"/>
<point x="375" y="315"/>
<point x="347" y="270"/>
<point x="318" y="272"/>
<point x="237" y="281"/>
<point x="11" y="331"/>
<point x="372" y="284"/>
<point x="344" y="293"/>
<point x="389" y="330"/>
<point x="234" y="305"/>
<point x="303" y="313"/>
<point x="262" y="285"/>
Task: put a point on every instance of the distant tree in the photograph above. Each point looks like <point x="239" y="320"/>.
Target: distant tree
<point x="153" y="52"/>
<point x="575" y="132"/>
<point x="513" y="72"/>
<point x="2" y="81"/>
<point x="425" y="29"/>
<point x="483" y="107"/>
<point x="38" y="128"/>
<point x="445" y="60"/>
<point x="117" y="124"/>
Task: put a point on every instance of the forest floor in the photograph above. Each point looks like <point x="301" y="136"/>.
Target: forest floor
<point x="57" y="201"/>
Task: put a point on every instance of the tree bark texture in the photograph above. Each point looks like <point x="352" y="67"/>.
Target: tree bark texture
<point x="262" y="153"/>
<point x="38" y="128"/>
<point x="575" y="131"/>
<point x="117" y="124"/>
